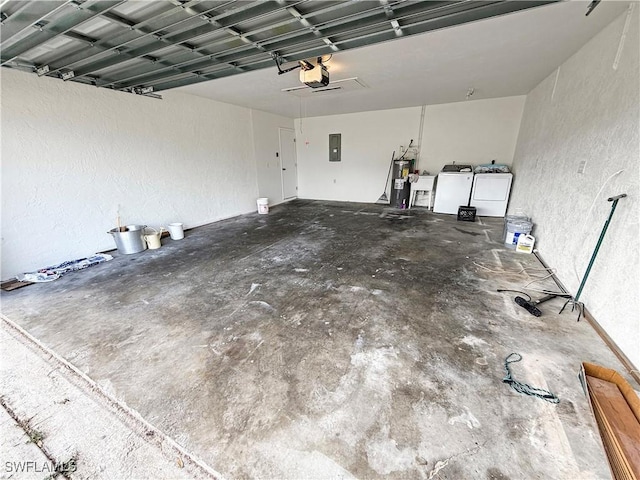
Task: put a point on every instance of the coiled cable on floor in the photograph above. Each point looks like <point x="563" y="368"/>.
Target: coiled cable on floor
<point x="523" y="387"/>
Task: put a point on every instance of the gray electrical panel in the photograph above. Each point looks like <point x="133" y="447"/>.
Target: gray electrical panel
<point x="335" y="148"/>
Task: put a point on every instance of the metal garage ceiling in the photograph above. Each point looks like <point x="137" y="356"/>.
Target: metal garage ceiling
<point x="149" y="46"/>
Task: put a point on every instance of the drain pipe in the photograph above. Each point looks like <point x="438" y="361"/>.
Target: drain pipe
<point x="424" y="108"/>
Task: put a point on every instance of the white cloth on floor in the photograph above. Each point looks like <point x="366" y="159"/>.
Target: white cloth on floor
<point x="48" y="274"/>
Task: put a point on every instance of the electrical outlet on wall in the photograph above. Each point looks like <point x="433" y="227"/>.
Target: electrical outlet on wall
<point x="582" y="166"/>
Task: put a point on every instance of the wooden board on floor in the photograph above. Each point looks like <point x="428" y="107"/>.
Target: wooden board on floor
<point x="616" y="408"/>
<point x="13" y="284"/>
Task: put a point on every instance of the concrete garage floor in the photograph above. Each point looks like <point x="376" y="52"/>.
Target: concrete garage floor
<point x="333" y="340"/>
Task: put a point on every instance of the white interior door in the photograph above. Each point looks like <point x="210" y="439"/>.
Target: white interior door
<point x="288" y="163"/>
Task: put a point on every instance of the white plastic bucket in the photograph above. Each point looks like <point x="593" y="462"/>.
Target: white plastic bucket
<point x="263" y="206"/>
<point x="518" y="216"/>
<point x="152" y="239"/>
<point x="176" y="231"/>
<point x="515" y="228"/>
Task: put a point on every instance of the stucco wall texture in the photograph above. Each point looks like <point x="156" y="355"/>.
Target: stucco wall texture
<point x="72" y="155"/>
<point x="588" y="111"/>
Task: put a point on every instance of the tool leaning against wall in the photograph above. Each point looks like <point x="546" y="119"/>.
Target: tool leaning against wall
<point x="575" y="301"/>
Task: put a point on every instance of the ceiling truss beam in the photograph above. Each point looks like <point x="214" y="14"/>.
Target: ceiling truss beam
<point x="178" y="39"/>
<point x="26" y="17"/>
<point x="238" y="52"/>
<point x="304" y="49"/>
<point x="82" y="14"/>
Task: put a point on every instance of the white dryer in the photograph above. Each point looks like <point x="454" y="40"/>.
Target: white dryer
<point x="453" y="187"/>
<point x="490" y="193"/>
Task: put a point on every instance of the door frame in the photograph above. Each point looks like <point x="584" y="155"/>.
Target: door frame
<point x="295" y="162"/>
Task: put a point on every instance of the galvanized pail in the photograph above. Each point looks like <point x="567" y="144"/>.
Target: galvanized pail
<point x="131" y="240"/>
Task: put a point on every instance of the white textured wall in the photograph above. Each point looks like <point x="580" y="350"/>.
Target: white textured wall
<point x="266" y="141"/>
<point x="474" y="131"/>
<point x="465" y="132"/>
<point x="368" y="140"/>
<point x="594" y="116"/>
<point x="72" y="153"/>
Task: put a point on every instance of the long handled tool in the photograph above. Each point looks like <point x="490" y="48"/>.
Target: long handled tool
<point x="383" y="198"/>
<point x="575" y="301"/>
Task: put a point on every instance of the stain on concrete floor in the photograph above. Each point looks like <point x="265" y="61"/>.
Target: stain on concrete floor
<point x="332" y="340"/>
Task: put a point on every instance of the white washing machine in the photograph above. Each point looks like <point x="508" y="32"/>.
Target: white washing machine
<point x="453" y="187"/>
<point x="490" y="193"/>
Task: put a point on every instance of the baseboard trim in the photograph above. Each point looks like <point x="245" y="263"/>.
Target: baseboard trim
<point x="628" y="364"/>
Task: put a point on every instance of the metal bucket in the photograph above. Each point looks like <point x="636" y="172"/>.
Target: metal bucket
<point x="131" y="241"/>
